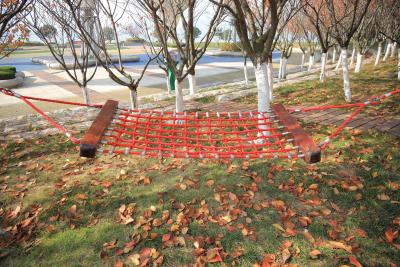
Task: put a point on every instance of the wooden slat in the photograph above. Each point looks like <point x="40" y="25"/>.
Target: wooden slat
<point x="311" y="151"/>
<point x="93" y="136"/>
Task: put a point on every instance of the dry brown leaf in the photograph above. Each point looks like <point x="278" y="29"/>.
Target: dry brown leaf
<point x="340" y="245"/>
<point x="354" y="261"/>
<point x="315" y="254"/>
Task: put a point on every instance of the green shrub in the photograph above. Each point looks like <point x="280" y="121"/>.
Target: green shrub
<point x="8" y="68"/>
<point x="7" y="72"/>
<point x="234" y="47"/>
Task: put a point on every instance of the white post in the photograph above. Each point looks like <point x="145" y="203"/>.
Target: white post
<point x="339" y="62"/>
<point x="303" y="56"/>
<point x="263" y="93"/>
<point x="270" y="76"/>
<point x="179" y="96"/>
<point x="192" y="84"/>
<point x="246" y="78"/>
<point x="359" y="62"/>
<point x="346" y="76"/>
<point x="378" y="54"/>
<point x="352" y="57"/>
<point x="280" y="68"/>
<point x="85" y="93"/>
<point x="387" y="53"/>
<point x="311" y="62"/>
<point x="133" y="96"/>
<point x="334" y="55"/>
<point x="393" y="53"/>
<point x="323" y="67"/>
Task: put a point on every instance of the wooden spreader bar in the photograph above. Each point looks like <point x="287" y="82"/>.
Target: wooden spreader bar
<point x="93" y="136"/>
<point x="306" y="144"/>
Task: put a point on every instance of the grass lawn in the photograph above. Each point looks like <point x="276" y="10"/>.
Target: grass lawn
<point x="57" y="209"/>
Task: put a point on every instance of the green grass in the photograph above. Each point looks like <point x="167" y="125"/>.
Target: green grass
<point x="48" y="173"/>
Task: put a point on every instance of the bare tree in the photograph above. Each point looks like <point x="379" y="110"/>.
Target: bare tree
<point x="285" y="43"/>
<point x="166" y="17"/>
<point x="317" y="14"/>
<point x="13" y="33"/>
<point x="54" y="25"/>
<point x="367" y="34"/>
<point x="345" y="17"/>
<point x="391" y="14"/>
<point x="90" y="17"/>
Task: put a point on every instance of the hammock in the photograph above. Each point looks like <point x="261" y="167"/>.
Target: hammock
<point x="233" y="135"/>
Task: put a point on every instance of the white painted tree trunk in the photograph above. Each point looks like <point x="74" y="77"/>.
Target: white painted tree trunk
<point x="352" y="57"/>
<point x="262" y="87"/>
<point x="303" y="57"/>
<point x="339" y="62"/>
<point x="346" y="76"/>
<point x="178" y="96"/>
<point x="280" y="68"/>
<point x="311" y="61"/>
<point x="359" y="62"/>
<point x="393" y="54"/>
<point x="270" y="76"/>
<point x="322" y="76"/>
<point x="168" y="85"/>
<point x="246" y="78"/>
<point x="263" y="93"/>
<point x="284" y="68"/>
<point x="192" y="84"/>
<point x="334" y="56"/>
<point x="398" y="64"/>
<point x="378" y="54"/>
<point x="133" y="97"/>
<point x="85" y="93"/>
<point x="387" y="53"/>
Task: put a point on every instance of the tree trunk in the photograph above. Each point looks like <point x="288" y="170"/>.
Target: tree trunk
<point x="398" y="64"/>
<point x="346" y="77"/>
<point x="303" y="56"/>
<point x="311" y="62"/>
<point x="334" y="56"/>
<point x="378" y="54"/>
<point x="246" y="78"/>
<point x="168" y="85"/>
<point x="192" y="83"/>
<point x="280" y="68"/>
<point x="284" y="68"/>
<point x="263" y="94"/>
<point x="339" y="62"/>
<point x="262" y="87"/>
<point x="133" y="96"/>
<point x="359" y="62"/>
<point x="85" y="93"/>
<point x="179" y="96"/>
<point x="323" y="67"/>
<point x="270" y="76"/>
<point x="387" y="53"/>
<point x="352" y="57"/>
<point x="394" y="45"/>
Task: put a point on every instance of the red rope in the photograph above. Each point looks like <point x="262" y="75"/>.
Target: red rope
<point x="200" y="135"/>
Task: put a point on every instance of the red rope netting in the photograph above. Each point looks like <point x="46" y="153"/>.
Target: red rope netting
<point x="198" y="135"/>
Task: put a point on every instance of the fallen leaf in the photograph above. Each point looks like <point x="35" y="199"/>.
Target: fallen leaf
<point x="315" y="254"/>
<point x="354" y="261"/>
<point x="383" y="197"/>
<point x="340" y="245"/>
<point x="391" y="235"/>
<point x="361" y="232"/>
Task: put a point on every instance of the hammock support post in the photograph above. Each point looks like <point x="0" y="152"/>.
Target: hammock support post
<point x="312" y="152"/>
<point x="92" y="137"/>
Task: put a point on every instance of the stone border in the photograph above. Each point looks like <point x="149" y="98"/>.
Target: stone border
<point x="13" y="83"/>
<point x="51" y="64"/>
